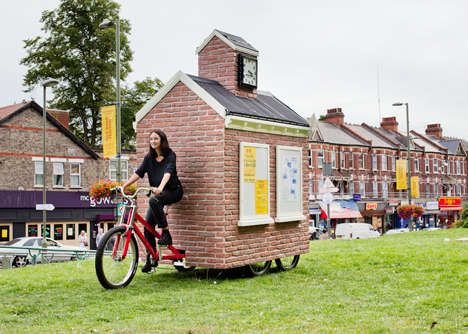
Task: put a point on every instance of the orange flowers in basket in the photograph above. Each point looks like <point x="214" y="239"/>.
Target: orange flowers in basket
<point x="407" y="211"/>
<point x="101" y="189"/>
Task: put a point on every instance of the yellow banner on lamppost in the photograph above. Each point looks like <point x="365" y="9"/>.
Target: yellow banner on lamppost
<point x="401" y="174"/>
<point x="108" y="122"/>
<point x="415" y="186"/>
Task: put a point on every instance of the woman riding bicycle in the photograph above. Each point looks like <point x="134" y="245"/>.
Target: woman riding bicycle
<point x="160" y="165"/>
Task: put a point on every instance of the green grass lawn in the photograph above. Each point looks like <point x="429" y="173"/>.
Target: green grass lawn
<point x="394" y="284"/>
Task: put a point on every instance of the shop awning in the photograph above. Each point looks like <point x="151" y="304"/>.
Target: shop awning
<point x="341" y="209"/>
<point x="451" y="208"/>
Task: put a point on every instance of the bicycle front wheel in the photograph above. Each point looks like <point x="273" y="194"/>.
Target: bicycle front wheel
<point x="112" y="269"/>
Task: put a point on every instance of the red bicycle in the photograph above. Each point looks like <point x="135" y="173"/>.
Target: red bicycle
<point x="117" y="255"/>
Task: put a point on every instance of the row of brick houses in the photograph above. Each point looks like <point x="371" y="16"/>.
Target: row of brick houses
<point x="362" y="161"/>
<point x="71" y="168"/>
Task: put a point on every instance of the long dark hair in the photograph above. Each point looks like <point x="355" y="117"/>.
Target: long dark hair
<point x="165" y="149"/>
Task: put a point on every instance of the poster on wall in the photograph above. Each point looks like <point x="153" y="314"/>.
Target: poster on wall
<point x="289" y="204"/>
<point x="254" y="185"/>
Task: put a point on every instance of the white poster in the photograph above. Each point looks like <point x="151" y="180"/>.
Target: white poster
<point x="254" y="192"/>
<point x="289" y="206"/>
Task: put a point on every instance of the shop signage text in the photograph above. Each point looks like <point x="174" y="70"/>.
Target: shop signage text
<point x="445" y="202"/>
<point x="372" y="206"/>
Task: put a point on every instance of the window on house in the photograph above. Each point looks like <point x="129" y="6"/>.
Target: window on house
<point x="384" y="190"/>
<point x="435" y="166"/>
<point x="458" y="168"/>
<point x="426" y="166"/>
<point x="351" y="160"/>
<point x="320" y="159"/>
<point x="374" y="161"/>
<point x="333" y="159"/>
<point x="375" y="189"/>
<point x="38" y="173"/>
<point x="363" y="161"/>
<point x="362" y="188"/>
<point x="342" y="160"/>
<point x="113" y="169"/>
<point x="416" y="165"/>
<point x="75" y="175"/>
<point x="309" y="157"/>
<point x="384" y="162"/>
<point x="57" y="177"/>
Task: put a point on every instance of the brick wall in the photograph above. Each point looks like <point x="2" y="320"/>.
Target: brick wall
<point x="246" y="245"/>
<point x="21" y="139"/>
<point x="195" y="133"/>
<point x="204" y="223"/>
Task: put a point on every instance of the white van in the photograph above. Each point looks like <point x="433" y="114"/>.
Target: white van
<point x="355" y="231"/>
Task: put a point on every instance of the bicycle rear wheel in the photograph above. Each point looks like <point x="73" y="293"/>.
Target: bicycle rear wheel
<point x="112" y="270"/>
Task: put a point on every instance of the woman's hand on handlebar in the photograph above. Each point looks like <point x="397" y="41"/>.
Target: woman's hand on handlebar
<point x="156" y="190"/>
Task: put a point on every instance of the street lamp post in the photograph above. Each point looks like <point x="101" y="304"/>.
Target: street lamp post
<point x="408" y="165"/>
<point x="104" y="25"/>
<point x="45" y="84"/>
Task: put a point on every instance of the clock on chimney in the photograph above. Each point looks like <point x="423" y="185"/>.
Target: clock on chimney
<point x="247" y="70"/>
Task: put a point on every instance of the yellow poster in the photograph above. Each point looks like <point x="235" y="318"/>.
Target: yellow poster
<point x="401" y="174"/>
<point x="4" y="234"/>
<point x="108" y="126"/>
<point x="250" y="163"/>
<point x="261" y="197"/>
<point x="415" y="186"/>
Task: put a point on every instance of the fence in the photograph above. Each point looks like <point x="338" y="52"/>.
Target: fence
<point x="21" y="256"/>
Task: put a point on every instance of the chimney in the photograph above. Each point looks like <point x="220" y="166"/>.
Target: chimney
<point x="434" y="130"/>
<point x="389" y="123"/>
<point x="334" y="116"/>
<point x="61" y="116"/>
<point x="224" y="58"/>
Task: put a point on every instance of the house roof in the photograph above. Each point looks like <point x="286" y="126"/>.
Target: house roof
<point x="377" y="141"/>
<point x="265" y="106"/>
<point x="8" y="112"/>
<point x="428" y="144"/>
<point x="454" y="146"/>
<point x="334" y="134"/>
<point x="235" y="42"/>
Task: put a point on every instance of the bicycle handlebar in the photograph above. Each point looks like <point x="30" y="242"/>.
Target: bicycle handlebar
<point x="131" y="197"/>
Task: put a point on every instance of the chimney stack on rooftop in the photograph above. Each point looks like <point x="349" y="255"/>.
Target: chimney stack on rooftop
<point x="389" y="123"/>
<point x="434" y="130"/>
<point x="334" y="116"/>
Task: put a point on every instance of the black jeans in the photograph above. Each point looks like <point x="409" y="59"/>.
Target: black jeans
<point x="155" y="214"/>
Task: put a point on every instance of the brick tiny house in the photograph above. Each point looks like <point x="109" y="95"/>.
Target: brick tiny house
<point x="206" y="118"/>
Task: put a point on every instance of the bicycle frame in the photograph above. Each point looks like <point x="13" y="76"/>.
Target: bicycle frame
<point x="132" y="228"/>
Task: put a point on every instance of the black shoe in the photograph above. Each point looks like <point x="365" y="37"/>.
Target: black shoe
<point x="165" y="239"/>
<point x="149" y="264"/>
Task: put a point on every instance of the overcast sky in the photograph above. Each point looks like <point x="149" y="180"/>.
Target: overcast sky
<point x="314" y="55"/>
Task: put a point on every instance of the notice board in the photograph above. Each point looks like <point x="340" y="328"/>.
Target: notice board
<point x="289" y="204"/>
<point x="254" y="184"/>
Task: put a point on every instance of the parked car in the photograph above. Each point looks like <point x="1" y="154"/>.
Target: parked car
<point x="355" y="231"/>
<point x="55" y="251"/>
<point x="397" y="231"/>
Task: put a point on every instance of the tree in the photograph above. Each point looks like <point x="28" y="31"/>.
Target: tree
<point x="81" y="56"/>
<point x="133" y="99"/>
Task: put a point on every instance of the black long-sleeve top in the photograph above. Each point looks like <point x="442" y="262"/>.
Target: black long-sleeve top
<point x="156" y="170"/>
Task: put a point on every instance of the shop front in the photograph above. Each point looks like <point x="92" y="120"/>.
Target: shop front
<point x="431" y="213"/>
<point x="373" y="213"/>
<point x="450" y="208"/>
<point x="73" y="212"/>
